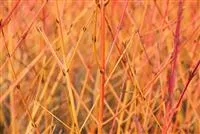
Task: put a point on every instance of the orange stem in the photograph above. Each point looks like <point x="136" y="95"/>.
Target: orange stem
<point x="102" y="69"/>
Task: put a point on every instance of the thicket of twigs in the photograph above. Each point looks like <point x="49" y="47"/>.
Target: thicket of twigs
<point x="103" y="66"/>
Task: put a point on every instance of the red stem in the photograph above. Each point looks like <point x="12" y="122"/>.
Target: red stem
<point x="8" y="17"/>
<point x="175" y="51"/>
<point x="187" y="84"/>
<point x="191" y="76"/>
<point x="117" y="32"/>
<point x="173" y="67"/>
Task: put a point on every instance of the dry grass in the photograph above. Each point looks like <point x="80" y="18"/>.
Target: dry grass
<point x="102" y="66"/>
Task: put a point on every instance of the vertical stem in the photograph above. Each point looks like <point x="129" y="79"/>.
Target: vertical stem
<point x="46" y="116"/>
<point x="69" y="93"/>
<point x="173" y="68"/>
<point x="175" y="51"/>
<point x="44" y="15"/>
<point x="102" y="69"/>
